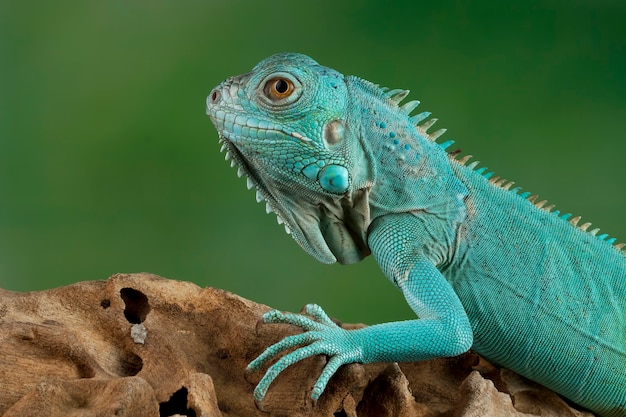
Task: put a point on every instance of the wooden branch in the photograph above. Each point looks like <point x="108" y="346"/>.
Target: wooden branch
<point x="141" y="345"/>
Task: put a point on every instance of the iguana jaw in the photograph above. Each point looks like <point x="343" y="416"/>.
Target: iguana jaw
<point x="305" y="231"/>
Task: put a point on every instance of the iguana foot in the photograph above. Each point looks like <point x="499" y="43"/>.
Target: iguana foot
<point x="321" y="337"/>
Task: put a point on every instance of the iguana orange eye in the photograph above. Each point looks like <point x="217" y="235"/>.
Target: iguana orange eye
<point x="278" y="88"/>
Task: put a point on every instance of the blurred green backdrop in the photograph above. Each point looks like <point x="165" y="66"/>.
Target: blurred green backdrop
<point x="108" y="162"/>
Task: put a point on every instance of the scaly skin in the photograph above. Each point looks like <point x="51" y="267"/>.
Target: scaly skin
<point x="350" y="173"/>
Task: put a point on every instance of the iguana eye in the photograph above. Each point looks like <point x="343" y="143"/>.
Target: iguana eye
<point x="278" y="88"/>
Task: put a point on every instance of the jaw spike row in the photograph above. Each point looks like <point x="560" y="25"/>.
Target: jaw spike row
<point x="227" y="156"/>
<point x="279" y="220"/>
<point x="240" y="172"/>
<point x="433" y="136"/>
<point x="232" y="163"/>
<point x="249" y="183"/>
<point x="287" y="230"/>
<point x="259" y="197"/>
<point x="585" y="226"/>
<point x="222" y="147"/>
<point x="427" y="125"/>
<point x="409" y="106"/>
<point x="268" y="209"/>
<point x="464" y="160"/>
<point x="574" y="221"/>
<point x="419" y="117"/>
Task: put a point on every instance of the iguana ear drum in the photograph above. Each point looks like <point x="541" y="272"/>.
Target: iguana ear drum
<point x="334" y="132"/>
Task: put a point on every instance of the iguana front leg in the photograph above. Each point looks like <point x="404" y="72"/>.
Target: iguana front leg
<point x="442" y="329"/>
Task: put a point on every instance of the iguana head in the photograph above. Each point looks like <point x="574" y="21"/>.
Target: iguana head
<point x="285" y="124"/>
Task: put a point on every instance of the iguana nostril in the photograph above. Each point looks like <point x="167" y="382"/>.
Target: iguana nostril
<point x="215" y="96"/>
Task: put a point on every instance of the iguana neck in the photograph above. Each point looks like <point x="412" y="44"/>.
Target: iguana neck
<point x="395" y="167"/>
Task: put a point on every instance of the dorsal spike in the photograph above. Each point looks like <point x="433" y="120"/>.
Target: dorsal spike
<point x="566" y="216"/>
<point x="541" y="203"/>
<point x="594" y="231"/>
<point x="603" y="236"/>
<point x="428" y="124"/>
<point x="516" y="190"/>
<point x="501" y="182"/>
<point x="409" y="106"/>
<point x="619" y="246"/>
<point x="574" y="221"/>
<point x="397" y="98"/>
<point x="556" y="212"/>
<point x="481" y="170"/>
<point x="463" y="160"/>
<point x="508" y="185"/>
<point x="585" y="226"/>
<point x="454" y="153"/>
<point x="473" y="165"/>
<point x="488" y="175"/>
<point x="611" y="241"/>
<point x="393" y="92"/>
<point x="533" y="198"/>
<point x="525" y="194"/>
<point x="549" y="208"/>
<point x="433" y="136"/>
<point x="494" y="180"/>
<point x="446" y="144"/>
<point x="416" y="119"/>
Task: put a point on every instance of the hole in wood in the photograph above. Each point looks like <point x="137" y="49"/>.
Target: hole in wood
<point x="177" y="404"/>
<point x="137" y="306"/>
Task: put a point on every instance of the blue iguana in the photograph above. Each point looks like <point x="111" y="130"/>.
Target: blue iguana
<point x="350" y="172"/>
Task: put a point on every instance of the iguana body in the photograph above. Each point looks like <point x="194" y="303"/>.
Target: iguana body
<point x="349" y="172"/>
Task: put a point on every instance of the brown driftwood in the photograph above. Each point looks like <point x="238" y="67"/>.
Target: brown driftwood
<point x="140" y="345"/>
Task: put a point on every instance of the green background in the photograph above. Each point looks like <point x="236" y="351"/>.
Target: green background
<point x="109" y="164"/>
